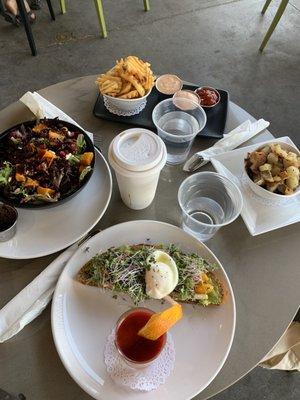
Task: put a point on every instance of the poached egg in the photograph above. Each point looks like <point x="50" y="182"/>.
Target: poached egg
<point x="162" y="276"/>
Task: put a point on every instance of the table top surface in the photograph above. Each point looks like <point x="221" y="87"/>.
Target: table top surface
<point x="263" y="270"/>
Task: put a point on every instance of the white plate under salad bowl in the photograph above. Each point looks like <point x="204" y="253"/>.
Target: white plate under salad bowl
<point x="45" y="231"/>
<point x="83" y="316"/>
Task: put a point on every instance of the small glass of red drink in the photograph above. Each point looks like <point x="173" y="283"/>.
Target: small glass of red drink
<point x="137" y="351"/>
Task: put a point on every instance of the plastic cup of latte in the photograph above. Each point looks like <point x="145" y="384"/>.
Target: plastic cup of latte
<point x="137" y="156"/>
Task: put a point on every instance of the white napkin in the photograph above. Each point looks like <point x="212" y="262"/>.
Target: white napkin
<point x="42" y="108"/>
<point x="33" y="299"/>
<point x="230" y="141"/>
<point x="286" y="354"/>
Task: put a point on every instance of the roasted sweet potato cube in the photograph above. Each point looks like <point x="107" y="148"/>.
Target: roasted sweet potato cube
<point x="55" y="136"/>
<point x="81" y="168"/>
<point x="39" y="127"/>
<point x="20" y="177"/>
<point x="31" y="183"/>
<point x="49" y="156"/>
<point x="45" y="191"/>
<point x="86" y="158"/>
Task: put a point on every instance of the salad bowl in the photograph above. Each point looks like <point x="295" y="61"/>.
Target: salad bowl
<point x="20" y="146"/>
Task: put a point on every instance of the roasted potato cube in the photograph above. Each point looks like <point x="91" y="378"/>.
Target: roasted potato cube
<point x="276" y="148"/>
<point x="291" y="159"/>
<point x="86" y="158"/>
<point x="257" y="158"/>
<point x="265" y="167"/>
<point x="292" y="182"/>
<point x="277" y="178"/>
<point x="283" y="175"/>
<point x="292" y="171"/>
<point x="275" y="170"/>
<point x="272" y="158"/>
<point x="267" y="176"/>
<point x="266" y="150"/>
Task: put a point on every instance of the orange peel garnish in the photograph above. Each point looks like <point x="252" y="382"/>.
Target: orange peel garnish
<point x="161" y="322"/>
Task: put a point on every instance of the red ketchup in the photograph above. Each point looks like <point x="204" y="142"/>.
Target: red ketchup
<point x="209" y="97"/>
<point x="133" y="346"/>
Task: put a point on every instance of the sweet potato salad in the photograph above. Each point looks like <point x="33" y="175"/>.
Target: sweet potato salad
<point x="43" y="163"/>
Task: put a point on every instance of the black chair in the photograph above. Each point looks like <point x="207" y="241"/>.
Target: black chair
<point x="26" y="23"/>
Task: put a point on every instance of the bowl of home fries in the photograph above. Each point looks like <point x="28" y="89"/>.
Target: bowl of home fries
<point x="272" y="171"/>
<point x="127" y="85"/>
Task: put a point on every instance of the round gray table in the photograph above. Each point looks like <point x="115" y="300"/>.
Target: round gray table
<point x="263" y="270"/>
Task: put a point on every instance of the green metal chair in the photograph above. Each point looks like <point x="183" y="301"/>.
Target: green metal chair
<point x="100" y="13"/>
<point x="275" y="21"/>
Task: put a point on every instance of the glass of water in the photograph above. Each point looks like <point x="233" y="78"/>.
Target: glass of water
<point x="178" y="122"/>
<point x="208" y="201"/>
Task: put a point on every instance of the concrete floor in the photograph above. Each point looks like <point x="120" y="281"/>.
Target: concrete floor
<point x="207" y="41"/>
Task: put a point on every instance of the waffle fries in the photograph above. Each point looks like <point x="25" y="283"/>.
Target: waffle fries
<point x="130" y="78"/>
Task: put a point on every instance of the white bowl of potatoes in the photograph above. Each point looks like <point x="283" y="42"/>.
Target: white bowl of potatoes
<point x="127" y="85"/>
<point x="273" y="170"/>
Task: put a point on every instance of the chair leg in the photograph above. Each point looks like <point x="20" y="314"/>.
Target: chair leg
<point x="100" y="13"/>
<point x="147" y="5"/>
<point x="267" y="3"/>
<point x="63" y="6"/>
<point x="23" y="14"/>
<point x="51" y="9"/>
<point x="274" y="23"/>
<point x="1" y="8"/>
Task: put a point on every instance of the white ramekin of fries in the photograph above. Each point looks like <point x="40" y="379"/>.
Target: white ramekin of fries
<point x="273" y="171"/>
<point x="127" y="85"/>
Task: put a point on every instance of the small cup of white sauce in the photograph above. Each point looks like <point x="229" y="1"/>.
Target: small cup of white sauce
<point x="168" y="84"/>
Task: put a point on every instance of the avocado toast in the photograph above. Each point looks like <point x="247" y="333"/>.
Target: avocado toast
<point x="122" y="270"/>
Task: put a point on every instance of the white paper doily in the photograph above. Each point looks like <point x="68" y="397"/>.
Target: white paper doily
<point x="114" y="110"/>
<point x="144" y="379"/>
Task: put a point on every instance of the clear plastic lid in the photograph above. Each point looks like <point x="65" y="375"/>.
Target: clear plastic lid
<point x="137" y="149"/>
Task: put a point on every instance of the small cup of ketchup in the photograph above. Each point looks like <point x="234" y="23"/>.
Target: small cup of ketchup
<point x="209" y="96"/>
<point x="137" y="351"/>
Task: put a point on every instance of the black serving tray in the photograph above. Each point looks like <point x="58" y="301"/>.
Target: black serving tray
<point x="216" y="116"/>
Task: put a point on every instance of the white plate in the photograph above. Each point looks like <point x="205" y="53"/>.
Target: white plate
<point x="44" y="231"/>
<point x="259" y="215"/>
<point x="83" y="316"/>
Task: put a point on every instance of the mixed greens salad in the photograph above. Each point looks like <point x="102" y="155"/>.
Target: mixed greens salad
<point x="122" y="270"/>
<point x="43" y="163"/>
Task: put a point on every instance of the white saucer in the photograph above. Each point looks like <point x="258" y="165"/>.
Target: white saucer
<point x="83" y="317"/>
<point x="259" y="215"/>
<point x="47" y="230"/>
